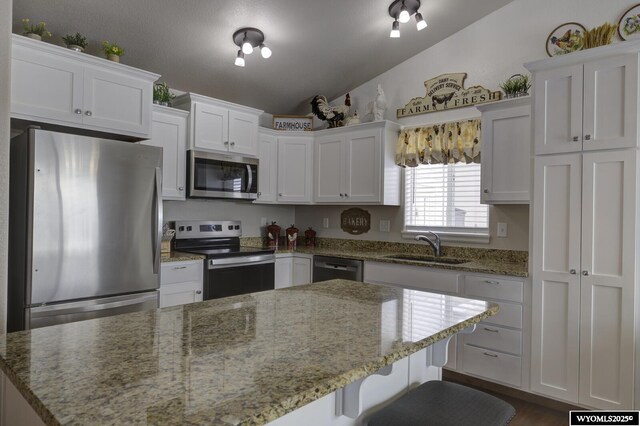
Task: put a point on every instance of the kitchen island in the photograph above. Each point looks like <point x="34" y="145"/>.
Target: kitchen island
<point x="247" y="359"/>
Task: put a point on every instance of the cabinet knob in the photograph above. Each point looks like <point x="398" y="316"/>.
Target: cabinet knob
<point x="341" y="195"/>
<point x="572" y="271"/>
<point x="576" y="139"/>
<point x="78" y="111"/>
<point x="280" y="194"/>
<point x="181" y="188"/>
<point x="486" y="191"/>
<point x="259" y="193"/>
<point x="346" y="195"/>
<point x="198" y="291"/>
<point x="585" y="273"/>
<point x="233" y="143"/>
<point x="88" y="113"/>
<point x="226" y="143"/>
<point x="587" y="137"/>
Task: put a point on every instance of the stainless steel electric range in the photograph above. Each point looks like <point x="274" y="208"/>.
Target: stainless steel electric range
<point x="230" y="269"/>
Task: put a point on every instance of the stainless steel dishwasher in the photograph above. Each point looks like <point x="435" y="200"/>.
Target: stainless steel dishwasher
<point x="329" y="268"/>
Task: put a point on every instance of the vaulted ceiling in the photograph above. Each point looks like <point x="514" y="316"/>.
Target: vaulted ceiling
<point x="319" y="46"/>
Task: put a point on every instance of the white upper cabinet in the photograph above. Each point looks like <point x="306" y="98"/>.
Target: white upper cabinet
<point x="587" y="100"/>
<point x="169" y="132"/>
<point x="267" y="168"/>
<point x="506" y="151"/>
<point x="54" y="85"/>
<point x="295" y="169"/>
<point x="355" y="165"/>
<point x="220" y="126"/>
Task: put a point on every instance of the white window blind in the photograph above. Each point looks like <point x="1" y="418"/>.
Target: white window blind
<point x="446" y="198"/>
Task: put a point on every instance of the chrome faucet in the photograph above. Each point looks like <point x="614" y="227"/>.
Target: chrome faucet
<point x="434" y="243"/>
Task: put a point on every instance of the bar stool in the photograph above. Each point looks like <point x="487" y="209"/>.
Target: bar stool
<point x="438" y="403"/>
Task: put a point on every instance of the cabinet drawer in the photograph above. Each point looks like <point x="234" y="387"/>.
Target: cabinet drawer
<point x="496" y="338"/>
<point x="509" y="315"/>
<point x="492" y="365"/>
<point x="180" y="272"/>
<point x="493" y="288"/>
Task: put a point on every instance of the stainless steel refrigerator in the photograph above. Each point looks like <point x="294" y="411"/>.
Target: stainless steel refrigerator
<point x="85" y="228"/>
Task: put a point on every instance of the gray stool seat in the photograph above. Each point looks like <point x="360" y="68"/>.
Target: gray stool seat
<point x="438" y="403"/>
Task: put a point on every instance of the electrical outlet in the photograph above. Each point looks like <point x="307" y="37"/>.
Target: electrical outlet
<point x="385" y="225"/>
<point x="502" y="230"/>
<point x="325" y="222"/>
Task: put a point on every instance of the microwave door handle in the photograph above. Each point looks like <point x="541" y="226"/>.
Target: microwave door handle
<point x="250" y="180"/>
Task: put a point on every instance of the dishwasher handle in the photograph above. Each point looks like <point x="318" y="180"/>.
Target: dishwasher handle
<point x="338" y="266"/>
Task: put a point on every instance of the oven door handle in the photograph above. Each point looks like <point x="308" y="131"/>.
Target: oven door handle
<point x="241" y="261"/>
<point x="250" y="179"/>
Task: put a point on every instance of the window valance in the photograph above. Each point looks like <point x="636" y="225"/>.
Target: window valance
<point x="453" y="142"/>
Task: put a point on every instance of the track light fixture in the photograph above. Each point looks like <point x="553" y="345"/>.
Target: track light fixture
<point x="401" y="12"/>
<point x="248" y="39"/>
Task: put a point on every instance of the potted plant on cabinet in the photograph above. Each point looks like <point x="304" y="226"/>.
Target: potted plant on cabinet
<point x="161" y="94"/>
<point x="112" y="51"/>
<point x="75" y="42"/>
<point x="517" y="85"/>
<point x="35" y="31"/>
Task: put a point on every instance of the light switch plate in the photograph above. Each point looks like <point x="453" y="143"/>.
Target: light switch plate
<point x="502" y="229"/>
<point x="325" y="222"/>
<point x="385" y="225"/>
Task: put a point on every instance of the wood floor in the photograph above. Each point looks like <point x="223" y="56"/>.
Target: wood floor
<point x="531" y="410"/>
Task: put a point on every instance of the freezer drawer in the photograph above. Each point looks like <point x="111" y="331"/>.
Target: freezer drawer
<point x="62" y="313"/>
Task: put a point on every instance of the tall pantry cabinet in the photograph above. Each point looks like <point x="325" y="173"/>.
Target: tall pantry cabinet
<point x="585" y="231"/>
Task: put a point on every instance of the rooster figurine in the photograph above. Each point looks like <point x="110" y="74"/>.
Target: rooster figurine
<point x="334" y="115"/>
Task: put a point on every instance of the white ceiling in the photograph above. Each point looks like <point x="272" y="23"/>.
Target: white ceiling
<point x="319" y="46"/>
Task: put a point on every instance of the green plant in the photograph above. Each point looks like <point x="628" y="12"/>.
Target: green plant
<point x="112" y="49"/>
<point x="39" y="28"/>
<point x="516" y="85"/>
<point x="75" y="40"/>
<point x="161" y="93"/>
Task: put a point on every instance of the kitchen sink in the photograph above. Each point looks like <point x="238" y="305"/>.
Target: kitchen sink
<point x="427" y="259"/>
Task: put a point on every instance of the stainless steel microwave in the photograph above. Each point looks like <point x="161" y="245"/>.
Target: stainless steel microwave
<point x="221" y="176"/>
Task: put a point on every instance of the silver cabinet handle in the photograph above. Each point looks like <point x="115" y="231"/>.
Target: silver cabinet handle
<point x="88" y="113"/>
<point x="491" y="330"/>
<point x="233" y="143"/>
<point x="198" y="291"/>
<point x="226" y="143"/>
<point x="78" y="111"/>
<point x="181" y="188"/>
<point x="572" y="271"/>
<point x="486" y="191"/>
<point x="585" y="273"/>
<point x="587" y="137"/>
<point x="491" y="355"/>
<point x="179" y="267"/>
<point x="576" y="138"/>
<point x="492" y="282"/>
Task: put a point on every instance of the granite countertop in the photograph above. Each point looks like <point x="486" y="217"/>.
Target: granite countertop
<point x="177" y="256"/>
<point x="240" y="360"/>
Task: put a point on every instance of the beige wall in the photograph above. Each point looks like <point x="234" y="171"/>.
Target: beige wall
<point x="5" y="75"/>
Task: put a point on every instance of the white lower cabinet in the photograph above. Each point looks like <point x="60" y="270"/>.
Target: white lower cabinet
<point x="292" y="269"/>
<point x="181" y="282"/>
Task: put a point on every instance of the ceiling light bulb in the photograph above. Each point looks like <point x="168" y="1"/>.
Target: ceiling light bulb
<point x="265" y="51"/>
<point x="240" y="59"/>
<point x="421" y="24"/>
<point x="404" y="14"/>
<point x="247" y="48"/>
<point x="395" y="30"/>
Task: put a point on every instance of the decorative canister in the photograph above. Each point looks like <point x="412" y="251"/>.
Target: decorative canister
<point x="292" y="237"/>
<point x="273" y="234"/>
<point x="310" y="238"/>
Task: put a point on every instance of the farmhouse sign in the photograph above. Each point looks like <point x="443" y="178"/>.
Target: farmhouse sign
<point x="292" y="123"/>
<point x="355" y="221"/>
<point x="447" y="92"/>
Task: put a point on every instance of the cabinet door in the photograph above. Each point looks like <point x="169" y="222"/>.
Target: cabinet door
<point x="243" y="133"/>
<point x="180" y="294"/>
<point x="295" y="169"/>
<point x="301" y="270"/>
<point x="329" y="169"/>
<point x="558" y="110"/>
<point x="506" y="155"/>
<point x="555" y="281"/>
<point x="283" y="272"/>
<point x="267" y="169"/>
<point x="608" y="279"/>
<point x="117" y="103"/>
<point x="210" y="127"/>
<point x="611" y="103"/>
<point x="169" y="132"/>
<point x="363" y="173"/>
<point x="45" y="88"/>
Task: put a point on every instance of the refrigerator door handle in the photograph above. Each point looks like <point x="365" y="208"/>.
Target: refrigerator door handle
<point x="250" y="179"/>
<point x="91" y="306"/>
<point x="158" y="221"/>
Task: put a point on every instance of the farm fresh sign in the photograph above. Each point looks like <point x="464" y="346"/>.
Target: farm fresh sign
<point x="448" y="92"/>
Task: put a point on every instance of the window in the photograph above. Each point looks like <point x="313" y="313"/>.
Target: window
<point x="445" y="198"/>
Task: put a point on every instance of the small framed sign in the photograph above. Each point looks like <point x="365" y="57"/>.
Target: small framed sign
<point x="293" y="123"/>
<point x="355" y="221"/>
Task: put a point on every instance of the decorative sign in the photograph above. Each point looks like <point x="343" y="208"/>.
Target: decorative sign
<point x="448" y="92"/>
<point x="355" y="221"/>
<point x="292" y="123"/>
